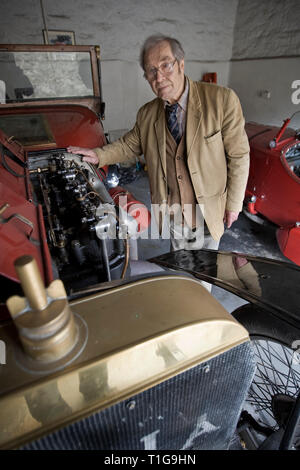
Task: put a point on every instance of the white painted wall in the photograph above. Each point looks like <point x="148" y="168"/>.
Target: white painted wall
<point x="265" y="89"/>
<point x="211" y="31"/>
<point x="266" y="29"/>
<point x="205" y="28"/>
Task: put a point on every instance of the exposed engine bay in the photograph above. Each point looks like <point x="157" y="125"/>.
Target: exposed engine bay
<point x="293" y="158"/>
<point x="86" y="232"/>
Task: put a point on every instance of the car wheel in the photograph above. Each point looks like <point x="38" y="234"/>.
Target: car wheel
<point x="275" y="388"/>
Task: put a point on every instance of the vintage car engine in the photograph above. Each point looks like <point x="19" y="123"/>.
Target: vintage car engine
<point x="293" y="158"/>
<point x="86" y="232"/>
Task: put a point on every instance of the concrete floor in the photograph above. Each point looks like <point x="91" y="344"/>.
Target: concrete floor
<point x="245" y="236"/>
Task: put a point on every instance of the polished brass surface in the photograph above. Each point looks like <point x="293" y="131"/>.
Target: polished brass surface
<point x="46" y="327"/>
<point x="139" y="334"/>
<point x="62" y="330"/>
<point x="32" y="284"/>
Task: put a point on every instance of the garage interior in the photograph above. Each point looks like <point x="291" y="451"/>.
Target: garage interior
<point x="252" y="46"/>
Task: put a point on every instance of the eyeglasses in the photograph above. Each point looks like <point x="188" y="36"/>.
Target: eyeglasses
<point x="165" y="69"/>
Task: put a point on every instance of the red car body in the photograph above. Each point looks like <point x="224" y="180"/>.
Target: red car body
<point x="273" y="188"/>
<point x="67" y="123"/>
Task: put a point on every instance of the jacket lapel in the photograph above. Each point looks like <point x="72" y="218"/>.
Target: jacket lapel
<point x="161" y="137"/>
<point x="194" y="117"/>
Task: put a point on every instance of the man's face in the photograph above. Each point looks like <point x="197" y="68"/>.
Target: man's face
<point x="169" y="86"/>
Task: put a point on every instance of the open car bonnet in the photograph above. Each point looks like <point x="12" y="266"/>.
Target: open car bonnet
<point x="50" y="98"/>
<point x="52" y="126"/>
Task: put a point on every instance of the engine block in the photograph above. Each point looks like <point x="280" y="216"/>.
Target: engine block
<point x="84" y="230"/>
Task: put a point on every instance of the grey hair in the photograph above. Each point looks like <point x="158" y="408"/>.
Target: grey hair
<point x="152" y="41"/>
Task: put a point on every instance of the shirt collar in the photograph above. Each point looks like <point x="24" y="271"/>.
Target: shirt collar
<point x="184" y="97"/>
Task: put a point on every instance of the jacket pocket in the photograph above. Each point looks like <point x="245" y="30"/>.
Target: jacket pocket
<point x="212" y="137"/>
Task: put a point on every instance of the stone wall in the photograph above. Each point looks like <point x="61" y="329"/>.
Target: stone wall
<point x="266" y="59"/>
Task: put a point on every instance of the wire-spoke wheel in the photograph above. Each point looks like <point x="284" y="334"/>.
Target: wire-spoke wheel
<point x="276" y="382"/>
<point x="272" y="405"/>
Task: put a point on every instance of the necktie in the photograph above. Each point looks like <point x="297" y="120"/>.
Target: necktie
<point x="172" y="122"/>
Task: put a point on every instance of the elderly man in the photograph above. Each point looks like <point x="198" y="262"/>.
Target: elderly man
<point x="196" y="150"/>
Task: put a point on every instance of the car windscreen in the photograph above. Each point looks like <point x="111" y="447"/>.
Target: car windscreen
<point x="44" y="75"/>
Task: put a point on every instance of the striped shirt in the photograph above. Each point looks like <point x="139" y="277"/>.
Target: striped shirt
<point x="182" y="108"/>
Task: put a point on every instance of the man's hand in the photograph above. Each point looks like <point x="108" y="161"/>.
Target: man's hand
<point x="230" y="217"/>
<point x="89" y="155"/>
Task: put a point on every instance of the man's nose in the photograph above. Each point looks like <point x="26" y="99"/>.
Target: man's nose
<point x="159" y="76"/>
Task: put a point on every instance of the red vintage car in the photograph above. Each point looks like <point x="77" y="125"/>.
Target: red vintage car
<point x="273" y="189"/>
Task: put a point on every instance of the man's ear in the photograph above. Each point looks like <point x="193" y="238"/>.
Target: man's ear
<point x="181" y="65"/>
